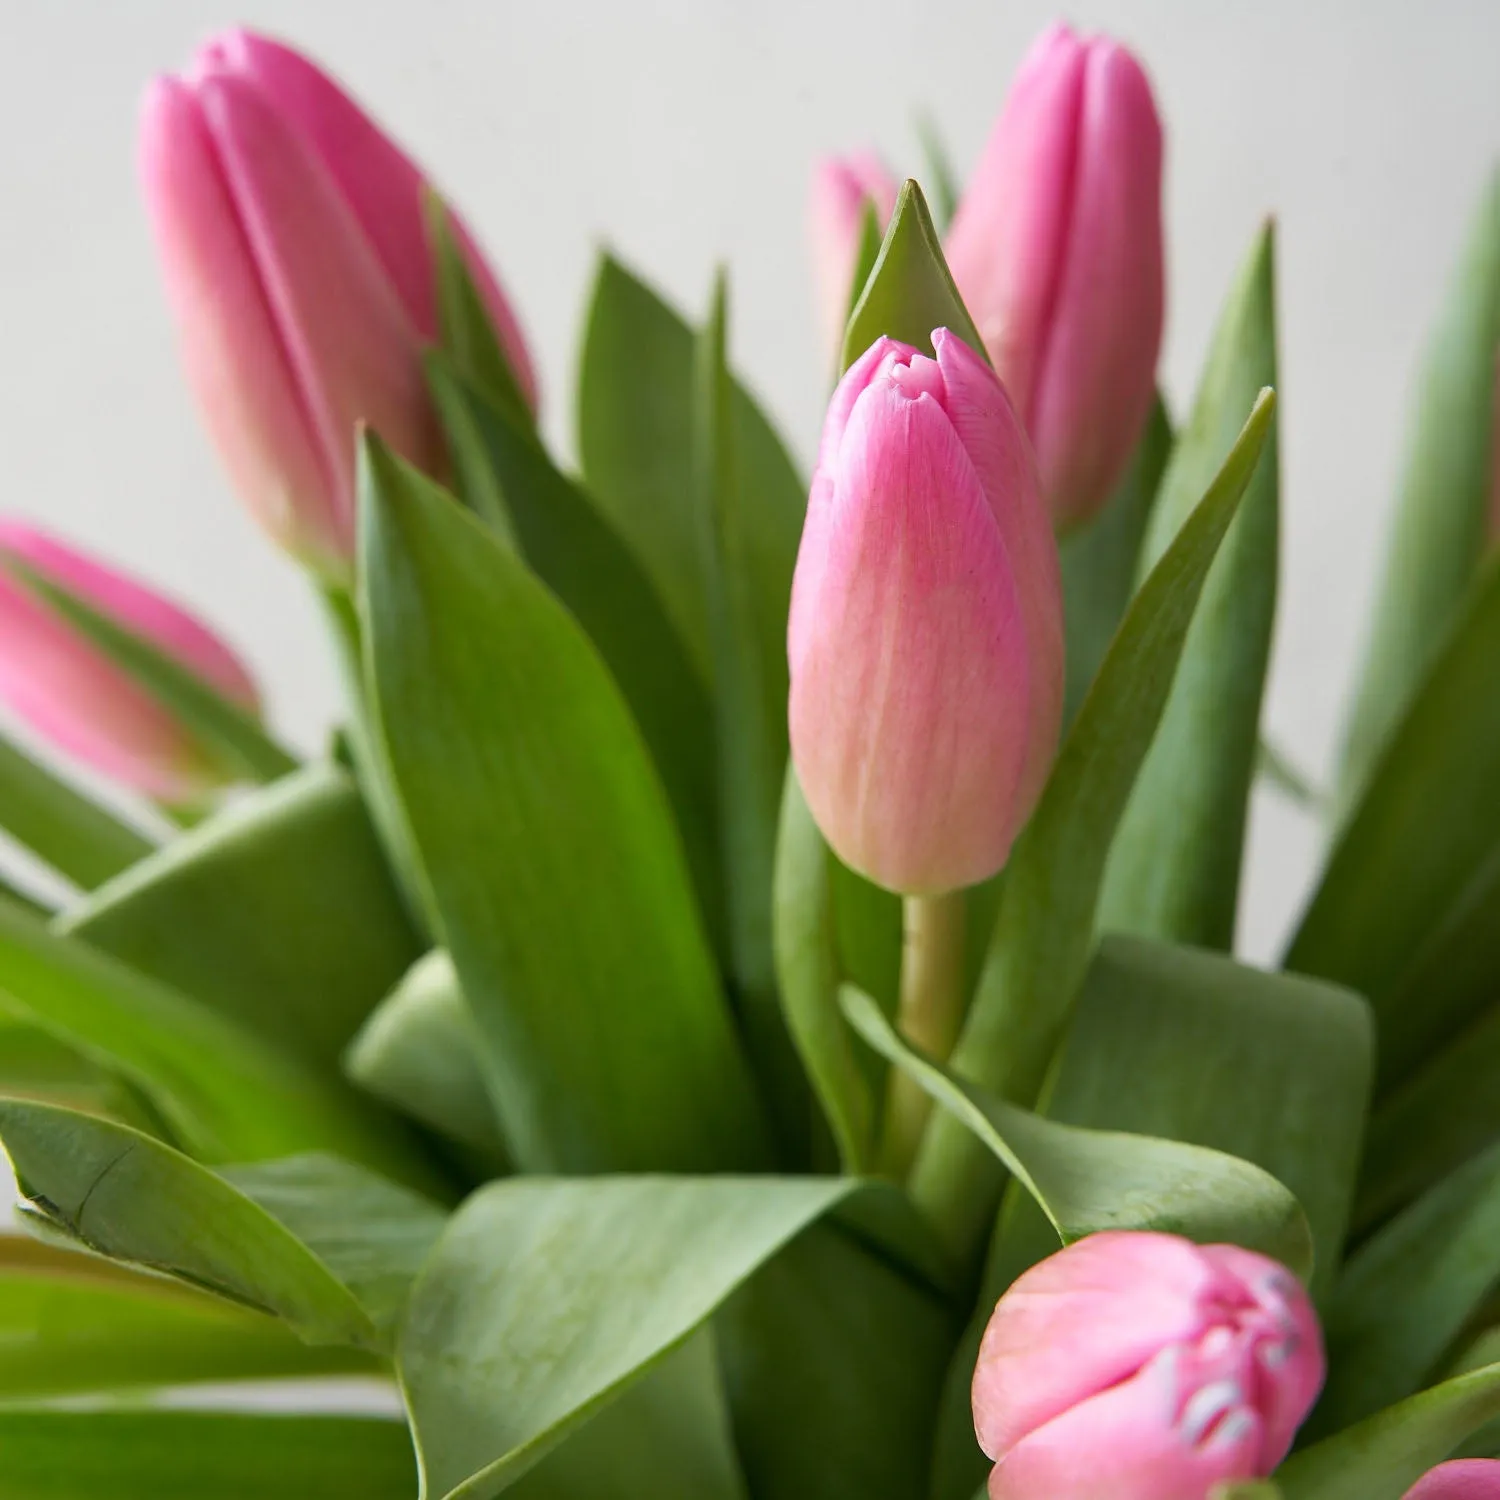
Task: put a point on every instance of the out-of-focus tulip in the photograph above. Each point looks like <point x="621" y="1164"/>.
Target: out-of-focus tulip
<point x="1462" y="1479"/>
<point x="293" y="242"/>
<point x="1057" y="250"/>
<point x="925" y="638"/>
<point x="842" y="188"/>
<point x="70" y="694"/>
<point x="1139" y="1366"/>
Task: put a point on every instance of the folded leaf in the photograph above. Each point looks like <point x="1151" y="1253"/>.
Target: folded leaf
<point x="278" y="912"/>
<point x="1174" y="868"/>
<point x="1042" y="938"/>
<point x="548" y="847"/>
<point x="1443" y="504"/>
<point x="188" y="1455"/>
<point x="80" y="839"/>
<point x="546" y="1298"/>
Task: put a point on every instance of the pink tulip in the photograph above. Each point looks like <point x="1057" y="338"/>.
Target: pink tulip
<point x="1057" y="250"/>
<point x="925" y="638"/>
<point x="842" y="188"/>
<point x="1463" y="1479"/>
<point x="70" y="694"/>
<point x="1136" y="1366"/>
<point x="291" y="233"/>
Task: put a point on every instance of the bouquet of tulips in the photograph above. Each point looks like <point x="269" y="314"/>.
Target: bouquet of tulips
<point x="743" y="1008"/>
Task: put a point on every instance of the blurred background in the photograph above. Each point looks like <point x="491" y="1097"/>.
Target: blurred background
<point x="682" y="134"/>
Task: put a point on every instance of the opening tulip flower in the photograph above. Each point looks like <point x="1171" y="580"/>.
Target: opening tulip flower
<point x="294" y="241"/>
<point x="843" y="188"/>
<point x="1139" y="1366"/>
<point x="925" y="636"/>
<point x="1057" y="250"/>
<point x="70" y="694"/>
<point x="1463" y="1479"/>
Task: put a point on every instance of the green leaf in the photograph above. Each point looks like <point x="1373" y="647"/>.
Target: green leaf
<point x="34" y="1064"/>
<point x="1279" y="772"/>
<point x="1255" y="1489"/>
<point x="1088" y="1180"/>
<point x="187" y="1455"/>
<point x="223" y="730"/>
<point x="1043" y="936"/>
<point x="1409" y="1292"/>
<point x="945" y="188"/>
<point x="1427" y="826"/>
<point x="1100" y="561"/>
<point x="574" y="551"/>
<point x="71" y="1323"/>
<point x="223" y="1094"/>
<point x="547" y="842"/>
<point x="871" y="234"/>
<point x="84" y="842"/>
<point x="1174" y="868"/>
<point x="278" y="912"/>
<point x="547" y="1297"/>
<point x="833" y="1360"/>
<point x="1383" y="1456"/>
<point x="635" y="440"/>
<point x="417" y="1052"/>
<point x="469" y="338"/>
<point x="749" y="566"/>
<point x="910" y="291"/>
<point x="125" y="1195"/>
<point x="1443" y="504"/>
<point x="1434" y="1122"/>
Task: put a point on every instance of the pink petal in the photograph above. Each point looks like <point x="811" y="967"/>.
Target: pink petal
<point x="1460" y="1479"/>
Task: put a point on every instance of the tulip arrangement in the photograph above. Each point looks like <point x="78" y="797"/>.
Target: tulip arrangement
<point x="744" y="1006"/>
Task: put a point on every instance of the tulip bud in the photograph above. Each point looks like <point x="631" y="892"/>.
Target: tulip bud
<point x="842" y="188"/>
<point x="1462" y="1479"/>
<point x="70" y="694"/>
<point x="1144" y="1367"/>
<point x="1057" y="251"/>
<point x="925" y="638"/>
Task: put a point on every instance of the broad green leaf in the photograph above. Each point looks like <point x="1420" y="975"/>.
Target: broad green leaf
<point x="125" y="1195"/>
<point x="418" y="1052"/>
<point x="547" y="845"/>
<point x="233" y="737"/>
<point x="1188" y="1045"/>
<point x="72" y="1323"/>
<point x="1254" y="1489"/>
<point x="1043" y="936"/>
<point x="574" y="551"/>
<point x="635" y="441"/>
<point x="34" y="1064"/>
<point x="833" y="1361"/>
<point x="1383" y="1456"/>
<point x="1426" y="827"/>
<point x="84" y="842"/>
<point x="370" y="1233"/>
<point x="191" y="1455"/>
<point x="910" y="291"/>
<point x="278" y="912"/>
<point x="548" y="1297"/>
<point x="1433" y="1122"/>
<point x="1174" y="867"/>
<point x="469" y="338"/>
<point x="1409" y="1292"/>
<point x="222" y="1093"/>
<point x="940" y="173"/>
<point x="1089" y="1180"/>
<point x="1443" y="505"/>
<point x="1100" y="562"/>
<point x="749" y="568"/>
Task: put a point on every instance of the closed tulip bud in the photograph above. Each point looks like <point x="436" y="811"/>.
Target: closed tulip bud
<point x="1057" y="250"/>
<point x="1136" y="1366"/>
<point x="843" y="188"/>
<point x="925" y="638"/>
<point x="1462" y="1479"/>
<point x="69" y="693"/>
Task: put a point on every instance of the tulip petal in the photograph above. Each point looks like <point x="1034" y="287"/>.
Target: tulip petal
<point x="841" y="188"/>
<point x="1460" y="1479"/>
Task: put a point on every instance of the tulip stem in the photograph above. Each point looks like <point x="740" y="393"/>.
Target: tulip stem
<point x="931" y="1008"/>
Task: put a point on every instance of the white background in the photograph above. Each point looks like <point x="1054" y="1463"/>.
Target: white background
<point x="682" y="133"/>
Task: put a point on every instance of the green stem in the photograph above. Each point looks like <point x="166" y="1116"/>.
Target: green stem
<point x="930" y="1012"/>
